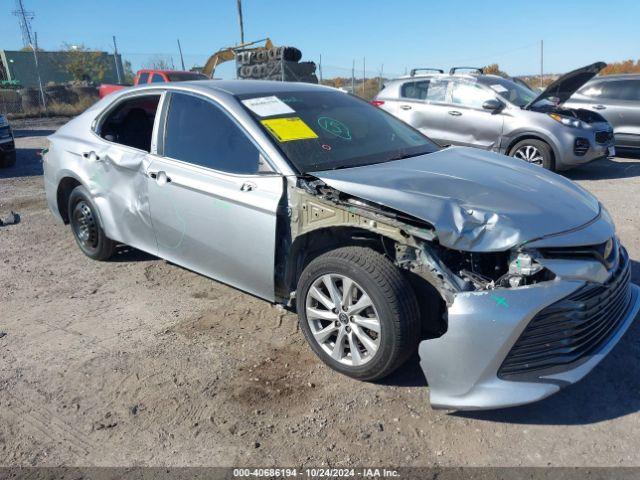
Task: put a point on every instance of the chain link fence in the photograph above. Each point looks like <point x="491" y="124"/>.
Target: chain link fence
<point x="278" y="63"/>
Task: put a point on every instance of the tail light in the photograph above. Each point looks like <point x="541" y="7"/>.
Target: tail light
<point x="376" y="103"/>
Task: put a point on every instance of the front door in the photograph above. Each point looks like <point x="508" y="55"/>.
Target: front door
<point x="214" y="198"/>
<point x="468" y="123"/>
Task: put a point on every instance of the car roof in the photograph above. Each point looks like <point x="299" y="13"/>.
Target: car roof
<point x="243" y="87"/>
<point x="446" y="75"/>
<point x="617" y="76"/>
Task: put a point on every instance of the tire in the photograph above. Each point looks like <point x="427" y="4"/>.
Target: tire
<point x="532" y="145"/>
<point x="86" y="227"/>
<point x="393" y="302"/>
<point x="291" y="54"/>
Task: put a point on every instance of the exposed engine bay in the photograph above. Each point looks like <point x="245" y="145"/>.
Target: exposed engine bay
<point x="411" y="243"/>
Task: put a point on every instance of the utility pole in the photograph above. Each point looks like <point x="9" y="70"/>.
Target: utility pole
<point x="24" y="18"/>
<point x="353" y="77"/>
<point x="35" y="59"/>
<point x="380" y="77"/>
<point x="181" y="57"/>
<point x="240" y="20"/>
<point x="320" y="69"/>
<point x="115" y="59"/>
<point x="364" y="73"/>
<point x="541" y="63"/>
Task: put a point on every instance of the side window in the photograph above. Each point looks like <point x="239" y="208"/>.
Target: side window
<point x="199" y="132"/>
<point x="416" y="90"/>
<point x="144" y="78"/>
<point x="433" y="90"/>
<point x="469" y="94"/>
<point x="157" y="78"/>
<point x="593" y="90"/>
<point x="628" y="90"/>
<point x="131" y="122"/>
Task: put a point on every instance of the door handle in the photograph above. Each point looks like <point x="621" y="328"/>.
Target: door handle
<point x="248" y="187"/>
<point x="405" y="107"/>
<point x="599" y="107"/>
<point x="160" y="177"/>
<point x="455" y="113"/>
<point x="93" y="156"/>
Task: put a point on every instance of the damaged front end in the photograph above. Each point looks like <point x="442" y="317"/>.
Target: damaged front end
<point x="504" y="327"/>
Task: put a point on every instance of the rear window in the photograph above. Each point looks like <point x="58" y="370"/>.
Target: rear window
<point x="324" y="130"/>
<point x="144" y="78"/>
<point x="432" y="90"/>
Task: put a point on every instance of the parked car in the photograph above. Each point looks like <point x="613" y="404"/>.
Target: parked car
<point x="7" y="144"/>
<point x="498" y="114"/>
<point x="509" y="280"/>
<point x="146" y="76"/>
<point x="616" y="98"/>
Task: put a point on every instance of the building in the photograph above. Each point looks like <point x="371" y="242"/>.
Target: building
<point x="20" y="66"/>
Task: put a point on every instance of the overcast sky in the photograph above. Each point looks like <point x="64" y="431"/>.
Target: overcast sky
<point x="399" y="34"/>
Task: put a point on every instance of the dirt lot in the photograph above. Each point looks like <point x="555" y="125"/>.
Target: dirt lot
<point x="139" y="362"/>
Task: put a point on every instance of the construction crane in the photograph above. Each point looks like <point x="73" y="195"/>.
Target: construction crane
<point x="229" y="53"/>
<point x="24" y="18"/>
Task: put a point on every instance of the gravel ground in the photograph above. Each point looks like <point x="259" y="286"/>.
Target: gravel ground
<point x="139" y="362"/>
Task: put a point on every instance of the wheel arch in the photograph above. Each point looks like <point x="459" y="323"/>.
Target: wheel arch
<point x="63" y="192"/>
<point x="532" y="136"/>
<point x="312" y="244"/>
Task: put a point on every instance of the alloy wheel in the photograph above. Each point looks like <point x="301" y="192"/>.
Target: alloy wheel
<point x="530" y="154"/>
<point x="343" y="319"/>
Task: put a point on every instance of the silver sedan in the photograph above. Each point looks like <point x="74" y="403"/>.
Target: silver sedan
<point x="507" y="279"/>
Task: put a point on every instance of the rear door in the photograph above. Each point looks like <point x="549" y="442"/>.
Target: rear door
<point x="468" y="123"/>
<point x="422" y="104"/>
<point x="214" y="196"/>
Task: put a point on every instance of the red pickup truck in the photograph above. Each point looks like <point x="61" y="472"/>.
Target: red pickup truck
<point x="144" y="77"/>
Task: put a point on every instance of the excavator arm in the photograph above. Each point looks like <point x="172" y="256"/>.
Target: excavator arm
<point x="229" y="53"/>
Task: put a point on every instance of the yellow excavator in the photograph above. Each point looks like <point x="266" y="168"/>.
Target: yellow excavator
<point x="229" y="53"/>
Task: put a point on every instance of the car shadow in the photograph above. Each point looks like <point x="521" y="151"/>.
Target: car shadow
<point x="27" y="132"/>
<point x="622" y="166"/>
<point x="28" y="164"/>
<point x="125" y="253"/>
<point x="610" y="391"/>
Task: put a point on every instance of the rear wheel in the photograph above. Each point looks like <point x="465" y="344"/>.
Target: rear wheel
<point x="86" y="228"/>
<point x="535" y="152"/>
<point x="358" y="313"/>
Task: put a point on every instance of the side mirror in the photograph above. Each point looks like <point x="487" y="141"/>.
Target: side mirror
<point x="493" y="105"/>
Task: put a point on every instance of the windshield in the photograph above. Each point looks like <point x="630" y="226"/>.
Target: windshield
<point x="185" y="76"/>
<point x="325" y="130"/>
<point x="511" y="91"/>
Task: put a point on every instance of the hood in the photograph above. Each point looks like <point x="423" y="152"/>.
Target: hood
<point x="568" y="84"/>
<point x="476" y="200"/>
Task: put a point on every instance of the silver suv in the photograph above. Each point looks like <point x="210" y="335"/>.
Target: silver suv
<point x="616" y="98"/>
<point x="502" y="115"/>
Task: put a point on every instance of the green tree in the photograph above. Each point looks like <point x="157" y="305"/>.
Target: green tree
<point x="84" y="64"/>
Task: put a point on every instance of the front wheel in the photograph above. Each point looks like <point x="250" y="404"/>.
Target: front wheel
<point x="358" y="313"/>
<point x="86" y="228"/>
<point x="535" y="152"/>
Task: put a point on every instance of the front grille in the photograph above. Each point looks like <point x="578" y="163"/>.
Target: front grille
<point x="581" y="146"/>
<point x="5" y="132"/>
<point x="604" y="136"/>
<point x="567" y="332"/>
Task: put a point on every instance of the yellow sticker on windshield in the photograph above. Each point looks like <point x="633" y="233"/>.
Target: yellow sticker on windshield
<point x="287" y="129"/>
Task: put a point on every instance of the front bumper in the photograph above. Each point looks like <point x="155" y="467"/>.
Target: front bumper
<point x="462" y="365"/>
<point x="571" y="156"/>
